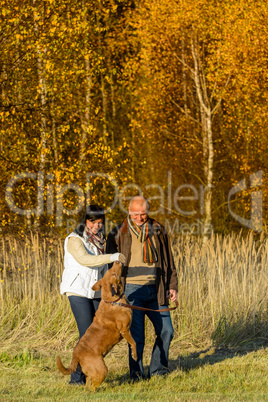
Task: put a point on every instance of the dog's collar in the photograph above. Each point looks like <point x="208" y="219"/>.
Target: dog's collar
<point x="114" y="301"/>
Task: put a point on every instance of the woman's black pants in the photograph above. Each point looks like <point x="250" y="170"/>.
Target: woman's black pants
<point x="83" y="310"/>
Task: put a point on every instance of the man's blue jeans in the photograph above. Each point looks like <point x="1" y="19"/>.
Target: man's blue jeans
<point x="146" y="296"/>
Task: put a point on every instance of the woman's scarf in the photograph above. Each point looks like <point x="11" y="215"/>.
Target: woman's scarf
<point x="96" y="239"/>
<point x="144" y="235"/>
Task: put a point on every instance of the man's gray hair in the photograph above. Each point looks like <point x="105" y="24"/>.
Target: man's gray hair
<point x="140" y="199"/>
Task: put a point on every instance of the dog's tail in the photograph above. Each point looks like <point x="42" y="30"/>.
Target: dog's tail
<point x="64" y="370"/>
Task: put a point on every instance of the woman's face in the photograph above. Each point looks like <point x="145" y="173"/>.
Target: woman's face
<point x="94" y="226"/>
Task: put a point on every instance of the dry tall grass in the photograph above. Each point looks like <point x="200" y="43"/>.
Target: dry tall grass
<point x="222" y="293"/>
<point x="222" y="290"/>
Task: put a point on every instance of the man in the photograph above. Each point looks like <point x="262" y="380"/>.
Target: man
<point x="150" y="281"/>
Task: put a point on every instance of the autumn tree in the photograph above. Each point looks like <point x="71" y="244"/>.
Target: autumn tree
<point x="190" y="79"/>
<point x="153" y="94"/>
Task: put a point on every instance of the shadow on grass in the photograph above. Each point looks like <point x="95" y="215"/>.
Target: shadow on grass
<point x="191" y="361"/>
<point x="236" y="340"/>
<point x="211" y="355"/>
<point x="236" y="336"/>
<point x="200" y="358"/>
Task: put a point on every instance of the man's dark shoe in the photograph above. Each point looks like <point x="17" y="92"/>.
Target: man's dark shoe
<point x="76" y="382"/>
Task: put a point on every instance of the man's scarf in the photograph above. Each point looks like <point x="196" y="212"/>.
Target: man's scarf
<point x="96" y="239"/>
<point x="144" y="235"/>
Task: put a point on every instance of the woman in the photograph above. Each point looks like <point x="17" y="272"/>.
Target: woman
<point x="84" y="264"/>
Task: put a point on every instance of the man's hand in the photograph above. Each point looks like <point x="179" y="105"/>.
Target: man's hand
<point x="172" y="295"/>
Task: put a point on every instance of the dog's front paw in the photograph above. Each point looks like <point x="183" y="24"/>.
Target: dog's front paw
<point x="134" y="353"/>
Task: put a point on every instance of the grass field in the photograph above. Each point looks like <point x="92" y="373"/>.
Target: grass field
<point x="214" y="375"/>
<point x="219" y="351"/>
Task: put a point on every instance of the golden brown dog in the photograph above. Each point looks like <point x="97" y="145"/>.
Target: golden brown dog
<point x="110" y="324"/>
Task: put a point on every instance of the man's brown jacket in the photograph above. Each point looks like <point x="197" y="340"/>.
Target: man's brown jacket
<point x="119" y="241"/>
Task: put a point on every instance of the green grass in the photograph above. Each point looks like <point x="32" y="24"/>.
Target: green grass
<point x="219" y="351"/>
<point x="210" y="375"/>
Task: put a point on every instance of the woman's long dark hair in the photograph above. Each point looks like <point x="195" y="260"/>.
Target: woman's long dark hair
<point x="92" y="213"/>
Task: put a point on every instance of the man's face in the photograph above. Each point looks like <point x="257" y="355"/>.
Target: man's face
<point x="138" y="212"/>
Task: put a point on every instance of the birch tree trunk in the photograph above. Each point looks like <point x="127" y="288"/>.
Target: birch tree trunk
<point x="113" y="105"/>
<point x="85" y="118"/>
<point x="104" y="109"/>
<point x="41" y="72"/>
<point x="206" y="112"/>
<point x="55" y="143"/>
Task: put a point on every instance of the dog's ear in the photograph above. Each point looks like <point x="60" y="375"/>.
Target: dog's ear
<point x="97" y="285"/>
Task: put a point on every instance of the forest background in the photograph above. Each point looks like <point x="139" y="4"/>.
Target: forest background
<point x="101" y="100"/>
<point x="104" y="99"/>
